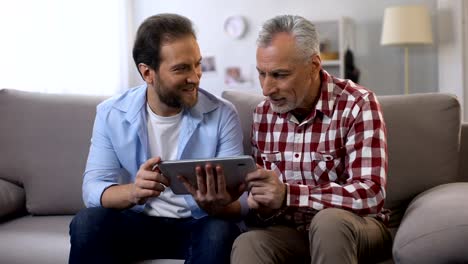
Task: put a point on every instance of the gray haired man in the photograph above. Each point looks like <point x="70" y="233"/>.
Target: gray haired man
<point x="321" y="144"/>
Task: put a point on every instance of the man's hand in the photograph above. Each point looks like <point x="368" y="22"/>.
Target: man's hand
<point x="148" y="183"/>
<point x="266" y="190"/>
<point x="211" y="193"/>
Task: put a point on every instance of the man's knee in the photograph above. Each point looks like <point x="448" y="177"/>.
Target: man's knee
<point x="331" y="217"/>
<point x="248" y="248"/>
<point x="89" y="220"/>
<point x="247" y="240"/>
<point x="332" y="222"/>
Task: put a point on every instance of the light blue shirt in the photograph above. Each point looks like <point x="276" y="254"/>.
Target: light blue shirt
<point x="119" y="144"/>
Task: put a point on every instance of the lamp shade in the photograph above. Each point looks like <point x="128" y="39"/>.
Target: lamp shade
<point x="404" y="25"/>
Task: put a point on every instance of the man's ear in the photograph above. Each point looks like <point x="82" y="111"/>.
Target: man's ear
<point x="146" y="73"/>
<point x="316" y="62"/>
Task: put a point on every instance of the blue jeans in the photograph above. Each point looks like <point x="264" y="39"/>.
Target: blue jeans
<point x="101" y="235"/>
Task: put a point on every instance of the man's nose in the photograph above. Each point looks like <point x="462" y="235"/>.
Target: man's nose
<point x="194" y="76"/>
<point x="268" y="86"/>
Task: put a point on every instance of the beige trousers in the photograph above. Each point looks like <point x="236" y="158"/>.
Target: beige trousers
<point x="335" y="236"/>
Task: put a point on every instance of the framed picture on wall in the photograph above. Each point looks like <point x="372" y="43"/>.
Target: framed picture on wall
<point x="208" y="64"/>
<point x="233" y="76"/>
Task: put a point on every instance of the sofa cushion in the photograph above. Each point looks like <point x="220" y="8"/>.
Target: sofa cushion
<point x="45" y="140"/>
<point x="35" y="239"/>
<point x="12" y="198"/>
<point x="43" y="239"/>
<point x="435" y="227"/>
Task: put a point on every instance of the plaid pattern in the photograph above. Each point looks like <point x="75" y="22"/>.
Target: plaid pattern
<point x="336" y="157"/>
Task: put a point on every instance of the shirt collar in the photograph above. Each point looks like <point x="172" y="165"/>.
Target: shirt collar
<point x="326" y="98"/>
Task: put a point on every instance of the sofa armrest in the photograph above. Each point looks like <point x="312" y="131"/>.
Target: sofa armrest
<point x="435" y="227"/>
<point x="463" y="166"/>
<point x="12" y="198"/>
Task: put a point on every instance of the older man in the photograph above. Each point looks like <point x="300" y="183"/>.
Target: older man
<point x="321" y="144"/>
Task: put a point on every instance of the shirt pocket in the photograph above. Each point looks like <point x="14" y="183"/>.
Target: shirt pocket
<point x="327" y="165"/>
<point x="273" y="161"/>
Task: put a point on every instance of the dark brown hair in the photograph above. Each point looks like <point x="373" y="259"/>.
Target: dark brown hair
<point x="154" y="32"/>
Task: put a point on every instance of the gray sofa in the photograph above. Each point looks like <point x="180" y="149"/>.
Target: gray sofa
<point x="44" y="143"/>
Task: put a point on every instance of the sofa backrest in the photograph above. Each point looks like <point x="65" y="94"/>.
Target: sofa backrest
<point x="44" y="141"/>
<point x="463" y="158"/>
<point x="423" y="145"/>
<point x="423" y="141"/>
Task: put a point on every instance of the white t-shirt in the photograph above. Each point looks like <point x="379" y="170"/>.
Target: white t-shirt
<point x="163" y="138"/>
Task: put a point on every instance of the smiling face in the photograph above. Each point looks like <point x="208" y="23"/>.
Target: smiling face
<point x="175" y="84"/>
<point x="289" y="82"/>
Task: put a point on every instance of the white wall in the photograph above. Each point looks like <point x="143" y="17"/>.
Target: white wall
<point x="451" y="49"/>
<point x="381" y="67"/>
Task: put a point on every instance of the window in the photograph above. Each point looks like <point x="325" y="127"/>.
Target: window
<point x="56" y="46"/>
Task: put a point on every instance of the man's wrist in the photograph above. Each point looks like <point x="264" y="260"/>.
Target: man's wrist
<point x="117" y="196"/>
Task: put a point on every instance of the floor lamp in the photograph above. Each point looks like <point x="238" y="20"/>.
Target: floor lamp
<point x="406" y="26"/>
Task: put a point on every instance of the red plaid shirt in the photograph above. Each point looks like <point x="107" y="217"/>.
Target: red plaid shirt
<point x="336" y="157"/>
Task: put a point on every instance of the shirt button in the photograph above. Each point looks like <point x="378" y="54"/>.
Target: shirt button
<point x="296" y="155"/>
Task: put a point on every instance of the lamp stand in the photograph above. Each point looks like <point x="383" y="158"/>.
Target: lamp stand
<point x="406" y="71"/>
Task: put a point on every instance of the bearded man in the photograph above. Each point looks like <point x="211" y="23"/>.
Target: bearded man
<point x="132" y="214"/>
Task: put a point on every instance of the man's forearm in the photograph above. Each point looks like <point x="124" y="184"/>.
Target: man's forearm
<point x="117" y="197"/>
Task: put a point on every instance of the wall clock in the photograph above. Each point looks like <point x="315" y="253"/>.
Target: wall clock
<point x="235" y="26"/>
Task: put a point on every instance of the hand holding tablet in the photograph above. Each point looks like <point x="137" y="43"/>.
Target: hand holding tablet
<point x="235" y="169"/>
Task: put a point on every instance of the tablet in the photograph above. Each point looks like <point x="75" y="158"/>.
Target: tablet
<point x="235" y="169"/>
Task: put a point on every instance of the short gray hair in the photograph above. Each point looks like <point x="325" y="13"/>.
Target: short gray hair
<point x="304" y="32"/>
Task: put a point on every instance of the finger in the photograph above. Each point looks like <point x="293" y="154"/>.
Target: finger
<point x="162" y="179"/>
<point x="210" y="180"/>
<point x="150" y="185"/>
<point x="252" y="203"/>
<point x="265" y="200"/>
<point x="257" y="184"/>
<point x="149" y="164"/>
<point x="144" y="194"/>
<point x="260" y="175"/>
<point x="201" y="184"/>
<point x="258" y="191"/>
<point x="147" y="175"/>
<point x="220" y="179"/>
<point x="190" y="188"/>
